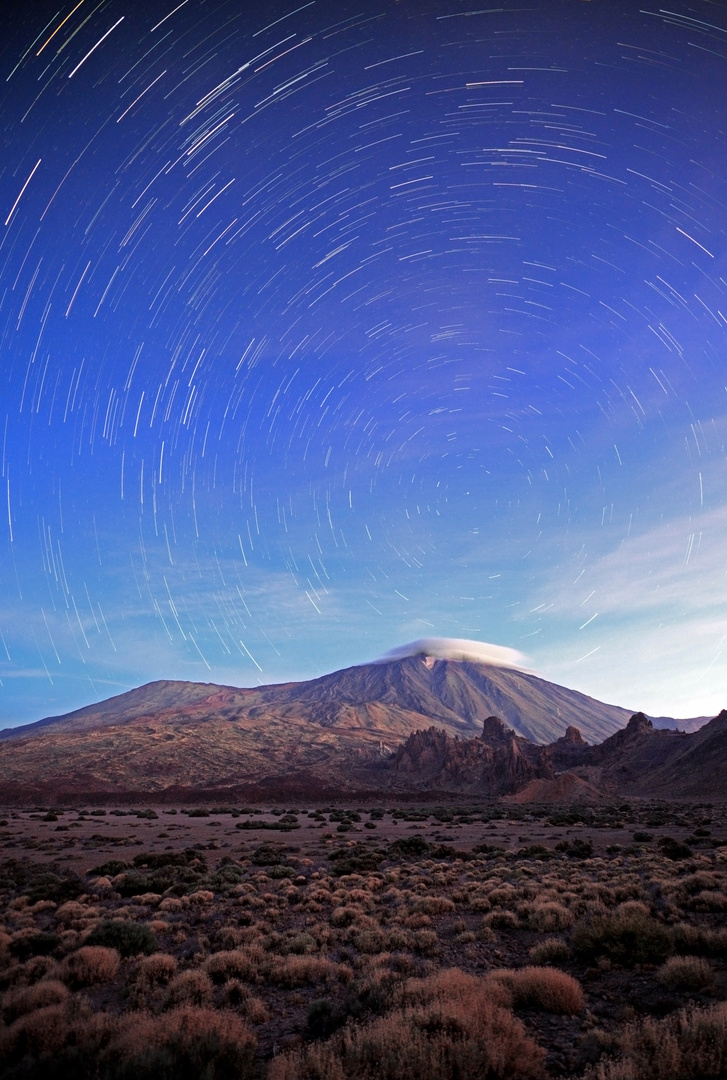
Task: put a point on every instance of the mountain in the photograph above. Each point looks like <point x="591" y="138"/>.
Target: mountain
<point x="383" y="697"/>
<point x="336" y="731"/>
<point x="639" y="760"/>
<point x="644" y="760"/>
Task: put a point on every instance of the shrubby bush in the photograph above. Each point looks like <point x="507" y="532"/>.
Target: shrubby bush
<point x="90" y="965"/>
<point x="543" y="988"/>
<point x="627" y="936"/>
<point x="27" y="999"/>
<point x="691" y="1045"/>
<point x="550" y="951"/>
<point x="686" y="973"/>
<point x="450" y="1025"/>
<point x="192" y="987"/>
<point x="59" y="1042"/>
<point x="127" y="937"/>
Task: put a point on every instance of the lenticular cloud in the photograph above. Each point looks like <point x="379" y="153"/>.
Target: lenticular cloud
<point x="480" y="652"/>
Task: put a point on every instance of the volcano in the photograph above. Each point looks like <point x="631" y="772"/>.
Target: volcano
<point x="332" y="731"/>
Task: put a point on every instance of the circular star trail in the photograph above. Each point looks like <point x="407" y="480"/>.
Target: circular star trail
<point x="329" y="326"/>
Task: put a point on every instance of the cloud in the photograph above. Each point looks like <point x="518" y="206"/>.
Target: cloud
<point x="480" y="652"/>
<point x="680" y="566"/>
<point x="644" y="626"/>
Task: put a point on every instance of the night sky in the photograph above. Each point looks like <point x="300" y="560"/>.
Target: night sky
<point x="329" y="326"/>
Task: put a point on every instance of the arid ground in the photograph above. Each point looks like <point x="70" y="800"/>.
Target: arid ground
<point x="413" y="941"/>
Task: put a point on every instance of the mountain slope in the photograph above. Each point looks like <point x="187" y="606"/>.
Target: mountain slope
<point x="331" y="730"/>
<point x="384" y="697"/>
<point x="644" y="760"/>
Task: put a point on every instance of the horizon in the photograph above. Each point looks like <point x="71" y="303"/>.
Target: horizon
<point x="332" y="326"/>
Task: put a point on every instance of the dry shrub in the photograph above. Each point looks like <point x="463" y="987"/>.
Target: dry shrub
<point x="255" y="1010"/>
<point x="40" y="1032"/>
<point x="31" y="971"/>
<point x="501" y="920"/>
<point x="628" y="936"/>
<point x="200" y="898"/>
<point x="434" y="905"/>
<point x="243" y="964"/>
<point x="90" y="965"/>
<point x="307" y="970"/>
<point x="542" y="988"/>
<point x="370" y="942"/>
<point x="157" y="969"/>
<point x="185" y="1044"/>
<point x="64" y="1040"/>
<point x="230" y="937"/>
<point x="27" y="999"/>
<point x="450" y="1025"/>
<point x="503" y="896"/>
<point x="149" y="978"/>
<point x="171" y="905"/>
<point x="691" y="1045"/>
<point x="347" y="915"/>
<point x="551" y="951"/>
<point x="73" y="914"/>
<point x="149" y="899"/>
<point x="699" y="940"/>
<point x="691" y="884"/>
<point x="707" y="901"/>
<point x="686" y="973"/>
<point x="417" y="921"/>
<point x="426" y="942"/>
<point x="189" y="988"/>
<point x="549" y="917"/>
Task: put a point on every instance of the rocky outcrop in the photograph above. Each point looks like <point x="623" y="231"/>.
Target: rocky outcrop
<point x="497" y="763"/>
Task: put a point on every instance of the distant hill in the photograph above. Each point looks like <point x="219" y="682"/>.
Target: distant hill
<point x="336" y="731"/>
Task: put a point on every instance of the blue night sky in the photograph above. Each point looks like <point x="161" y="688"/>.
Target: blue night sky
<point x="326" y="326"/>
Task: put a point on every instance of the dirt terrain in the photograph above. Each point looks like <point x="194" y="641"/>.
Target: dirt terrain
<point x="291" y="935"/>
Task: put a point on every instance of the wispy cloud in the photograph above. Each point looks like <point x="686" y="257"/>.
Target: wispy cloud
<point x="645" y="625"/>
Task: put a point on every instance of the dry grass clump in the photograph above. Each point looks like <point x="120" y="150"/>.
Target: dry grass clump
<point x="90" y="965"/>
<point x="627" y="936"/>
<point x="548" y="917"/>
<point x="544" y="988"/>
<point x="433" y="905"/>
<point x="550" y="951"/>
<point x="501" y="919"/>
<point x="193" y="987"/>
<point x="692" y="1045"/>
<point x="26" y="999"/>
<point x="184" y="1044"/>
<point x="370" y="941"/>
<point x="149" y="979"/>
<point x="449" y="1025"/>
<point x="75" y="915"/>
<point x="42" y="1032"/>
<point x="158" y="968"/>
<point x="30" y="971"/>
<point x="686" y="973"/>
<point x="187" y="1042"/>
<point x="244" y="964"/>
<point x="699" y="940"/>
<point x="307" y="971"/>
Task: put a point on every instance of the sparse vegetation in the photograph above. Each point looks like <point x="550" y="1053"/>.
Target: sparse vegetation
<point x="477" y="940"/>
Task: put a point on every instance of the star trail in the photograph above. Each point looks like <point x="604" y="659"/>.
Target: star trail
<point x="330" y="326"/>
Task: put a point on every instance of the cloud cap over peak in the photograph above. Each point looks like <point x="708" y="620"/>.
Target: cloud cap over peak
<point x="441" y="648"/>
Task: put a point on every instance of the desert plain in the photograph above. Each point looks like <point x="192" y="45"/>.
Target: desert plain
<point x="396" y="941"/>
